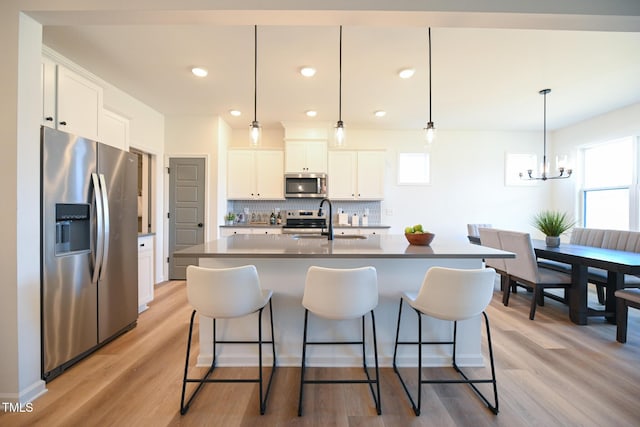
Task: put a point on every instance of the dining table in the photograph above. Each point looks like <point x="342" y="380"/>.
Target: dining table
<point x="617" y="263"/>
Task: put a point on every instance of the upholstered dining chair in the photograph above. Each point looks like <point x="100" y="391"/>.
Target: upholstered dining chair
<point x="524" y="269"/>
<point x="489" y="237"/>
<point x="228" y="293"/>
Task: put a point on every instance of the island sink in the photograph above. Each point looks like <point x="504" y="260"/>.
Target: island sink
<point x="336" y="236"/>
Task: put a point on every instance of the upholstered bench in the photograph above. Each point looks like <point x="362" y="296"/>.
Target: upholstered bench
<point x="621" y="240"/>
<point x="625" y="298"/>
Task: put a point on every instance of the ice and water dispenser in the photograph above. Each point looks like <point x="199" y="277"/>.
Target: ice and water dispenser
<point x="73" y="228"/>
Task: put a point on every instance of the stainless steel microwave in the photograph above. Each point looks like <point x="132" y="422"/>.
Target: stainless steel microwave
<point x="305" y="185"/>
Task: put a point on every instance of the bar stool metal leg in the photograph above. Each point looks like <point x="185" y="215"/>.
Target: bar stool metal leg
<point x="465" y="379"/>
<point x="264" y="394"/>
<point x="303" y="365"/>
<point x="375" y="393"/>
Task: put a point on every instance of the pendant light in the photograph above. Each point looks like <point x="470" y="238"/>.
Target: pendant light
<point x="255" y="130"/>
<point x="339" y="140"/>
<point x="545" y="167"/>
<point x="430" y="129"/>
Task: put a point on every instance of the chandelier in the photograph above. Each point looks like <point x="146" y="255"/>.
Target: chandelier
<point x="545" y="166"/>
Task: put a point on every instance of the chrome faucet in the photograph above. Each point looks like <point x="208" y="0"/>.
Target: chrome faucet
<point x="329" y="232"/>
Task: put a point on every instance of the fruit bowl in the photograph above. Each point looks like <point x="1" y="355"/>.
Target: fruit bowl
<point x="420" y="239"/>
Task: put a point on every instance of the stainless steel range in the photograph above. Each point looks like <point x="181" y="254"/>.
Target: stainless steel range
<point x="304" y="221"/>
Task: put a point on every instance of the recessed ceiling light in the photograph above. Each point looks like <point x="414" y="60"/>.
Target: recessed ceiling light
<point x="308" y="71"/>
<point x="199" y="72"/>
<point x="235" y="113"/>
<point x="311" y="113"/>
<point x="406" y="73"/>
<point x="380" y="113"/>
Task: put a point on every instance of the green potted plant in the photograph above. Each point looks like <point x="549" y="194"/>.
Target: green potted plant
<point x="552" y="224"/>
<point x="229" y="218"/>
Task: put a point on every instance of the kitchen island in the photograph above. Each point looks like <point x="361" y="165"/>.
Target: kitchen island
<point x="282" y="262"/>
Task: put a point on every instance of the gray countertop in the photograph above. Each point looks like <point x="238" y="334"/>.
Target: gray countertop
<point x="371" y="246"/>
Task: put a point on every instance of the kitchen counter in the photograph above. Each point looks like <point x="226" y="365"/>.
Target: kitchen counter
<point x="282" y="262"/>
<point x="371" y="246"/>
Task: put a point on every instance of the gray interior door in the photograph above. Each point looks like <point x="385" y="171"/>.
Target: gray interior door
<point x="186" y="211"/>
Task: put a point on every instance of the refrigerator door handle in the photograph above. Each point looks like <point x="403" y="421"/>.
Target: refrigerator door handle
<point x="105" y="237"/>
<point x="99" y="243"/>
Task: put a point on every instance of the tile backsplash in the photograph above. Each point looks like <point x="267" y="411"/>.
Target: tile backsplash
<point x="263" y="208"/>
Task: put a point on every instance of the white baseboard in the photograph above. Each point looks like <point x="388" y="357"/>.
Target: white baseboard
<point x="27" y="395"/>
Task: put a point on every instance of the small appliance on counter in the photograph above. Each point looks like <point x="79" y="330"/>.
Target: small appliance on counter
<point x="343" y="218"/>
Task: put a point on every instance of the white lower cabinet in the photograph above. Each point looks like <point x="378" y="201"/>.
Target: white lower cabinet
<point x="230" y="231"/>
<point x="145" y="272"/>
<point x="358" y="230"/>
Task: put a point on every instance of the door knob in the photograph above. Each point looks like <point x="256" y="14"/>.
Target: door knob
<point x="200" y="224"/>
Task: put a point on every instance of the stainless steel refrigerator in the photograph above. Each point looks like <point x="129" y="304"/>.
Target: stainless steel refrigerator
<point x="89" y="260"/>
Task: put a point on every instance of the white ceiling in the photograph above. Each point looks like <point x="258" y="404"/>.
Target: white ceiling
<point x="483" y="78"/>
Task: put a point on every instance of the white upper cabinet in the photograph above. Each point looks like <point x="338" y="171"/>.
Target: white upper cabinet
<point x="306" y="156"/>
<point x="356" y="175"/>
<point x="70" y="102"/>
<point x="269" y="174"/>
<point x="48" y="91"/>
<point x="370" y="175"/>
<point x="114" y="130"/>
<point x="255" y="174"/>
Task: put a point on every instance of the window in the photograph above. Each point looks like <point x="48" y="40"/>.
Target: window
<point x="413" y="168"/>
<point x="608" y="183"/>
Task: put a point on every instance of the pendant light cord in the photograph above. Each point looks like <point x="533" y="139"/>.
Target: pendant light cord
<point x="430" y="74"/>
<point x="544" y="93"/>
<point x="255" y="73"/>
<point x="340" y="81"/>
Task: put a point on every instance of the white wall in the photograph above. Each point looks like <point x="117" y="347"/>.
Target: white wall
<point x="467" y="181"/>
<point x="20" y="285"/>
<point x="9" y="360"/>
<point x="613" y="125"/>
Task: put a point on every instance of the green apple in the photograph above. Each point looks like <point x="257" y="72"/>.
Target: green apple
<point x="408" y="230"/>
<point x="418" y="227"/>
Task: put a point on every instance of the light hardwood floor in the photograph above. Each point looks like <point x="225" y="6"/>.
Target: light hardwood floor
<point x="550" y="373"/>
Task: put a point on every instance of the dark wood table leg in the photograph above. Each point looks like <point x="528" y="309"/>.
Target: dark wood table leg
<point x="578" y="294"/>
<point x="615" y="281"/>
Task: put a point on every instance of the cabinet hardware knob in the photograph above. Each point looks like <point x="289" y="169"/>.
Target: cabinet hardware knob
<point x="141" y="244"/>
<point x="49" y="118"/>
<point x="200" y="224"/>
<point x="63" y="123"/>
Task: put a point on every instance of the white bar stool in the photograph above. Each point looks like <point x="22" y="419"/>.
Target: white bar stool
<point x="340" y="294"/>
<point x="223" y="294"/>
<point x="450" y="294"/>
